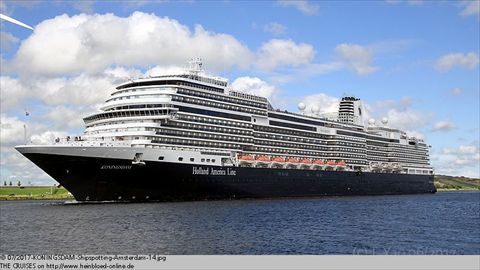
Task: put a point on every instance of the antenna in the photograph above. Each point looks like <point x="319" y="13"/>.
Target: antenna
<point x="195" y="66"/>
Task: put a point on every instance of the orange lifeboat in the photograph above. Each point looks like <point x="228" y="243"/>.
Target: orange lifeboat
<point x="331" y="163"/>
<point x="263" y="158"/>
<point x="341" y="163"/>
<point x="293" y="160"/>
<point x="307" y="161"/>
<point x="318" y="162"/>
<point x="246" y="157"/>
<point x="278" y="159"/>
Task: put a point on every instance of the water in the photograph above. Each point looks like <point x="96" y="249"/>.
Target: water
<point x="443" y="223"/>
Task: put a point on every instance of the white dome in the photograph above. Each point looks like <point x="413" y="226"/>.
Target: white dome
<point x="371" y="121"/>
<point x="384" y="120"/>
<point x="315" y="109"/>
<point x="301" y="106"/>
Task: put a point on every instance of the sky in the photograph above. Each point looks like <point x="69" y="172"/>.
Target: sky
<point x="413" y="62"/>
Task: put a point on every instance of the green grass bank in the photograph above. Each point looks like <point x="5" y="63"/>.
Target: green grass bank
<point x="34" y="193"/>
<point x="452" y="183"/>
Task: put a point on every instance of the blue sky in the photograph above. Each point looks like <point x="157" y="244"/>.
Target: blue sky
<point x="415" y="62"/>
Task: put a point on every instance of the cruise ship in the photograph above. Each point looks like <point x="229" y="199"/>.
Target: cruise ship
<point x="189" y="136"/>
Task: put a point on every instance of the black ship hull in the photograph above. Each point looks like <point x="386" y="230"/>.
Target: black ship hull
<point x="102" y="179"/>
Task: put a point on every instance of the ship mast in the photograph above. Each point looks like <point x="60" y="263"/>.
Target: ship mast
<point x="195" y="67"/>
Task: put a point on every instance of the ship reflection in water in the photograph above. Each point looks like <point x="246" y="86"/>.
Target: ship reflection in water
<point x="442" y="223"/>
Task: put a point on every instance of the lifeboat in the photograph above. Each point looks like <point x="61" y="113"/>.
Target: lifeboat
<point x="341" y="163"/>
<point x="375" y="165"/>
<point x="330" y="165"/>
<point x="278" y="162"/>
<point x="293" y="162"/>
<point x="307" y="161"/>
<point x="262" y="161"/>
<point x="396" y="167"/>
<point x="263" y="158"/>
<point x="318" y="162"/>
<point x="246" y="157"/>
<point x="278" y="159"/>
<point x="246" y="160"/>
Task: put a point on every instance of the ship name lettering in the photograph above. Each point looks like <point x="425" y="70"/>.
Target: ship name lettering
<point x="116" y="167"/>
<point x="200" y="170"/>
<point x="218" y="171"/>
<point x="231" y="171"/>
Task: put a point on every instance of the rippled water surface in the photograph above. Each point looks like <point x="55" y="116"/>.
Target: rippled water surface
<point x="443" y="223"/>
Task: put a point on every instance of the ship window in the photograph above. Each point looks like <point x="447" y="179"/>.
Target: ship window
<point x="213" y="160"/>
<point x="192" y="159"/>
<point x="203" y="160"/>
<point x="180" y="159"/>
<point x="208" y="160"/>
<point x="161" y="158"/>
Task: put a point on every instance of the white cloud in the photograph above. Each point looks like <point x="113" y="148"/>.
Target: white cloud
<point x="456" y="91"/>
<point x="444" y="125"/>
<point x="401" y="104"/>
<point x="463" y="160"/>
<point x="303" y="6"/>
<point x="356" y="57"/>
<point x="408" y="119"/>
<point x="308" y="70"/>
<point x="7" y="41"/>
<point x="275" y="28"/>
<point x="471" y="7"/>
<point x="280" y="52"/>
<point x="165" y="70"/>
<point x="80" y="90"/>
<point x="63" y="117"/>
<point x="465" y="60"/>
<point x="468" y="150"/>
<point x="12" y="130"/>
<point x="415" y="133"/>
<point x="12" y="92"/>
<point x="91" y="43"/>
<point x="47" y="137"/>
<point x="121" y="74"/>
<point x="253" y="85"/>
<point x="13" y="164"/>
<point x="324" y="102"/>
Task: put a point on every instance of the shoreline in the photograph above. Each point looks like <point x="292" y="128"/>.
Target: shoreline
<point x="452" y="189"/>
<point x="69" y="197"/>
<point x="35" y="198"/>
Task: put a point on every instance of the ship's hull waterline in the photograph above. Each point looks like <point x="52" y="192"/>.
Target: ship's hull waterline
<point x="111" y="179"/>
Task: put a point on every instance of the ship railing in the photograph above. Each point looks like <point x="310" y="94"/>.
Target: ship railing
<point x="79" y="141"/>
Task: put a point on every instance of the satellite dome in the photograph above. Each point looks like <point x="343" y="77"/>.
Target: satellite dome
<point x="315" y="109"/>
<point x="371" y="121"/>
<point x="301" y="106"/>
<point x="384" y="120"/>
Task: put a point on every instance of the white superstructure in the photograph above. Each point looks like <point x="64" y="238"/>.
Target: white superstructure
<point x="198" y="114"/>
